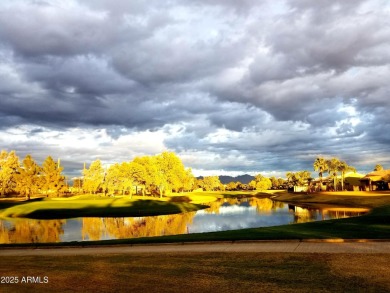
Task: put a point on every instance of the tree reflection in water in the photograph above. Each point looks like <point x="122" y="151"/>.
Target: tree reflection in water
<point x="31" y="231"/>
<point x="234" y="213"/>
<point x="303" y="214"/>
<point x="99" y="228"/>
<point x="265" y="204"/>
<point x="261" y="204"/>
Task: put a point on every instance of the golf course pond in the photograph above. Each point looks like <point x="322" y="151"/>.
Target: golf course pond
<point x="224" y="214"/>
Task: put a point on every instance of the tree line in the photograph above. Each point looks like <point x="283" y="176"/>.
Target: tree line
<point x="27" y="177"/>
<point x="333" y="166"/>
<point x="155" y="175"/>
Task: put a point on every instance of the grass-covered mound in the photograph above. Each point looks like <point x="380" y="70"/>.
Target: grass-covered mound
<point x="93" y="206"/>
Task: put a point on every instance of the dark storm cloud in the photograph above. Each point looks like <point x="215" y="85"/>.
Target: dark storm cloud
<point x="276" y="82"/>
<point x="39" y="29"/>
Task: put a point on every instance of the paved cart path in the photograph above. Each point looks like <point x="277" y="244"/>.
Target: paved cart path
<point x="260" y="246"/>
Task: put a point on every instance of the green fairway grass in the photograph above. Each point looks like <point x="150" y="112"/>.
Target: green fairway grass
<point x="91" y="206"/>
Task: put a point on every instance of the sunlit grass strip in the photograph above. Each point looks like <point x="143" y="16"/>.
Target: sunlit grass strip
<point x="101" y="207"/>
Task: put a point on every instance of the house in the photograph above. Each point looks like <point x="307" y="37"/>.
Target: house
<point x="376" y="180"/>
<point x="320" y="185"/>
<point x="352" y="181"/>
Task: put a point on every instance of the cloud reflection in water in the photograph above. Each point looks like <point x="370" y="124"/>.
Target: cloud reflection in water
<point x="238" y="217"/>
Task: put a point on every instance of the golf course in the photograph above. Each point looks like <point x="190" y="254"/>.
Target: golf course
<point x="228" y="271"/>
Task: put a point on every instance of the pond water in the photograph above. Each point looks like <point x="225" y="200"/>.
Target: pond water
<point x="227" y="214"/>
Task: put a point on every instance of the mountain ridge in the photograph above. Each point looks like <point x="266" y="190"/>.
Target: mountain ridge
<point x="225" y="179"/>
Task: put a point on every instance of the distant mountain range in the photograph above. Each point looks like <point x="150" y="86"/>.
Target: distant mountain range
<point x="245" y="179"/>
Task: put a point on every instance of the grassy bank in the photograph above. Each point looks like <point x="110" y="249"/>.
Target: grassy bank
<point x="92" y="206"/>
<point x="345" y="198"/>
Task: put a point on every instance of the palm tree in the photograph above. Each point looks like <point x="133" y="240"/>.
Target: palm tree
<point x="320" y="165"/>
<point x="343" y="168"/>
<point x="333" y="167"/>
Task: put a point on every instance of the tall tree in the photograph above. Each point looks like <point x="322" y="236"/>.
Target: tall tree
<point x="9" y="164"/>
<point x="333" y="168"/>
<point x="281" y="182"/>
<point x="93" y="177"/>
<point x="77" y="184"/>
<point x="112" y="182"/>
<point x="260" y="183"/>
<point x="188" y="180"/>
<point x="151" y="179"/>
<point x="344" y="168"/>
<point x="303" y="177"/>
<point x="28" y="179"/>
<point x="131" y="173"/>
<point x="275" y="182"/>
<point x="52" y="180"/>
<point x="210" y="183"/>
<point x="378" y="167"/>
<point x="300" y="178"/>
<point x="320" y="165"/>
<point x="290" y="179"/>
<point x="171" y="172"/>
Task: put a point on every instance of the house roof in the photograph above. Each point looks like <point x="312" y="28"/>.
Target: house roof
<point x="353" y="175"/>
<point x="353" y="178"/>
<point x="377" y="175"/>
<point x="346" y="175"/>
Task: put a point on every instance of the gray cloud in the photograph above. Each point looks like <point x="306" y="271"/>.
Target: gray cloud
<point x="239" y="86"/>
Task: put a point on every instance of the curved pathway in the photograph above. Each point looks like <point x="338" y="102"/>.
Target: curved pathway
<point x="313" y="246"/>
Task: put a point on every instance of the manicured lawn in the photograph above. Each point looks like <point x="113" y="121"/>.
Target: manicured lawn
<point x="47" y="208"/>
<point x="345" y="198"/>
<point x="201" y="272"/>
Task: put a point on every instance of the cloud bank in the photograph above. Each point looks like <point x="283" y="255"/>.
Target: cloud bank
<point x="249" y="86"/>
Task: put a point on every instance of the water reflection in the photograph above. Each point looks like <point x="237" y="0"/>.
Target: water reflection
<point x="118" y="228"/>
<point x="224" y="214"/>
<point x="303" y="214"/>
<point x="30" y="231"/>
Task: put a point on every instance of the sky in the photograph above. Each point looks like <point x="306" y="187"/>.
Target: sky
<point x="232" y="87"/>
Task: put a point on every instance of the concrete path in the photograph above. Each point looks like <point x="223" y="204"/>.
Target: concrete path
<point x="260" y="246"/>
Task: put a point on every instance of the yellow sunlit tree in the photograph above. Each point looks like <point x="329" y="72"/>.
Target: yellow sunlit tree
<point x="210" y="183"/>
<point x="52" y="180"/>
<point x="260" y="183"/>
<point x="333" y="167"/>
<point x="93" y="177"/>
<point x="320" y="165"/>
<point x="171" y="172"/>
<point x="28" y="179"/>
<point x="152" y="178"/>
<point x="9" y="164"/>
<point x="343" y="168"/>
